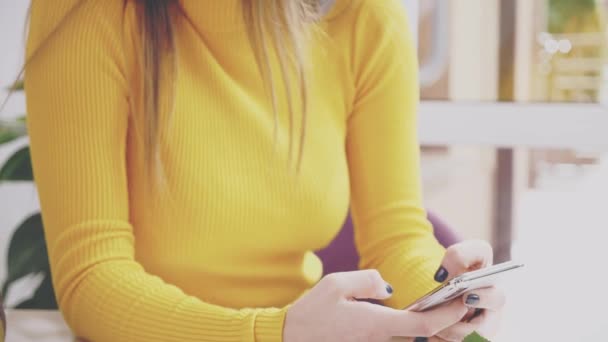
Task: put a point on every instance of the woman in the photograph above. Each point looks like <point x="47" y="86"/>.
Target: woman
<point x="191" y="154"/>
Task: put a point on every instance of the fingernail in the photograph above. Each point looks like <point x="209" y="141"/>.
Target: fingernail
<point x="441" y="275"/>
<point x="475" y="314"/>
<point x="389" y="289"/>
<point x="421" y="339"/>
<point x="472" y="299"/>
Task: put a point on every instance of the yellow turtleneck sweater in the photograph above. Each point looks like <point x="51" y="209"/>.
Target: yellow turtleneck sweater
<point x="228" y="246"/>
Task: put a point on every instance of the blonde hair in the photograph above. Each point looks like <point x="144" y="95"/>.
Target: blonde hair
<point x="282" y="26"/>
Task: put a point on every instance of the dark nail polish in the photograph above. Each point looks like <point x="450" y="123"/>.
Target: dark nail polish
<point x="421" y="339"/>
<point x="389" y="289"/>
<point x="472" y="299"/>
<point x="441" y="275"/>
<point x="478" y="312"/>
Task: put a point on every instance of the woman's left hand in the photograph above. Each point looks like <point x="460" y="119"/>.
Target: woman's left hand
<point x="464" y="257"/>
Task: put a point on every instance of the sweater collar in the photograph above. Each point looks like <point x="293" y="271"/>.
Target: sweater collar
<point x="227" y="15"/>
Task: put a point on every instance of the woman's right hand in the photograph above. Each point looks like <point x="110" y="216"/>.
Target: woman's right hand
<point x="330" y="312"/>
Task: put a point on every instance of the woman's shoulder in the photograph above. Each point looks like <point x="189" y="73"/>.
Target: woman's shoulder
<point x="378" y="12"/>
<point x="80" y="20"/>
<point x="373" y="24"/>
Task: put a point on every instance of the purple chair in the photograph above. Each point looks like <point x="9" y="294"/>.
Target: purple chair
<point x="341" y="254"/>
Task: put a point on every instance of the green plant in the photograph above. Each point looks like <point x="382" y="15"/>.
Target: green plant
<point x="568" y="16"/>
<point x="475" y="337"/>
<point x="27" y="252"/>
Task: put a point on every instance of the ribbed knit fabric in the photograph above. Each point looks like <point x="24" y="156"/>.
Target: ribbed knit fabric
<point x="223" y="250"/>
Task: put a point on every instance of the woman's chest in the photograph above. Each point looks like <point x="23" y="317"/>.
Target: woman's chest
<point x="232" y="161"/>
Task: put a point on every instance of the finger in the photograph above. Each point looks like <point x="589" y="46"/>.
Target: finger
<point x="459" y="331"/>
<point x="491" y="298"/>
<point x="436" y="339"/>
<point x="464" y="257"/>
<point x="417" y="339"/>
<point x="428" y="323"/>
<point x="489" y="323"/>
<point x="367" y="284"/>
<point x="429" y="339"/>
<point x="473" y="315"/>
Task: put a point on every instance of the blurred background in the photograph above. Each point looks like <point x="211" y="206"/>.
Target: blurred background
<point x="514" y="126"/>
<point x="514" y="133"/>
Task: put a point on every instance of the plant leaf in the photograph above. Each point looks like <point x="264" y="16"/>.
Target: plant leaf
<point x="27" y="253"/>
<point x="2" y="325"/>
<point x="18" y="167"/>
<point x="43" y="298"/>
<point x="12" y="130"/>
<point x="475" y="337"/>
<point x="27" y="304"/>
<point x="7" y="135"/>
<point x="17" y="86"/>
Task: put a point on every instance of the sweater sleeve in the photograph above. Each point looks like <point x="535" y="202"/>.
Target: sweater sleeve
<point x="392" y="232"/>
<point x="78" y="109"/>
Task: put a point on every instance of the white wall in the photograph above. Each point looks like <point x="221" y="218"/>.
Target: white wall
<point x="16" y="200"/>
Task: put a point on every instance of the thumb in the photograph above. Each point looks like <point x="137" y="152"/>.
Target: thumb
<point x="463" y="257"/>
<point x="367" y="284"/>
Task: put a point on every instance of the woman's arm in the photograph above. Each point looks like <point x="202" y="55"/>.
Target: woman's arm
<point x="77" y="97"/>
<point x="392" y="233"/>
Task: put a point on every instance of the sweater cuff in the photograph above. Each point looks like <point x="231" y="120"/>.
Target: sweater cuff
<point x="411" y="275"/>
<point x="269" y="325"/>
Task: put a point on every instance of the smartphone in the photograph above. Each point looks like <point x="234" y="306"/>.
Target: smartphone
<point x="469" y="281"/>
